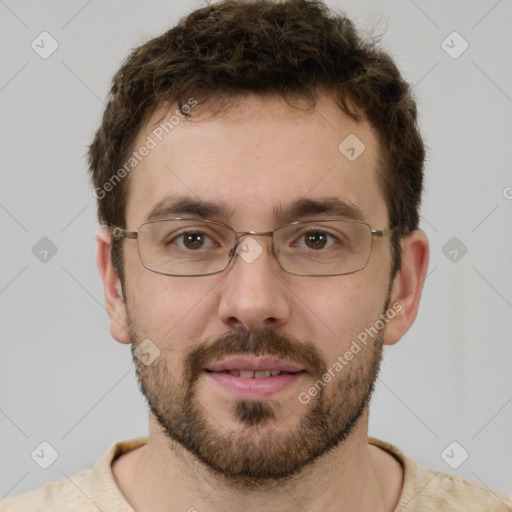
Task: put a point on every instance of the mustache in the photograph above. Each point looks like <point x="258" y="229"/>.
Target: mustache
<point x="267" y="341"/>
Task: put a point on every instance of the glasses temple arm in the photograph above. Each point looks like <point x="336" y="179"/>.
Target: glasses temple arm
<point x="122" y="233"/>
<point x="381" y="233"/>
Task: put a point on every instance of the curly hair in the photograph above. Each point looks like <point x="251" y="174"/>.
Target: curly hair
<point x="292" y="49"/>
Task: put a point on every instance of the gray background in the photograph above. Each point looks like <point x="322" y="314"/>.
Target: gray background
<point x="65" y="381"/>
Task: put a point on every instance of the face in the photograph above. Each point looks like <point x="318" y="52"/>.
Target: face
<point x="255" y="164"/>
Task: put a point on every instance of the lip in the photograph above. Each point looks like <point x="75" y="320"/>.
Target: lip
<point x="253" y="388"/>
<point x="254" y="364"/>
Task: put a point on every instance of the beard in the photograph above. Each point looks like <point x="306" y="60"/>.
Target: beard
<point x="258" y="453"/>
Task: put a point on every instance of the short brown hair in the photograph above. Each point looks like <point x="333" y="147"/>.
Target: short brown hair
<point x="292" y="49"/>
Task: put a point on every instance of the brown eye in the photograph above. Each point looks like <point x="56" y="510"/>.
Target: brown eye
<point x="316" y="239"/>
<point x="193" y="240"/>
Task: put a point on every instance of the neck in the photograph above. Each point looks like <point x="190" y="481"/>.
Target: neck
<point x="354" y="476"/>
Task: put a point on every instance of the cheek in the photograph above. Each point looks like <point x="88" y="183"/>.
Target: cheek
<point x="172" y="312"/>
<point x="334" y="313"/>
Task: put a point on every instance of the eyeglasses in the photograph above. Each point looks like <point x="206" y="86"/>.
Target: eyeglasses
<point x="192" y="247"/>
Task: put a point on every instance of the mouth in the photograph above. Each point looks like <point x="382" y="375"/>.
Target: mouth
<point x="248" y="364"/>
<point x="255" y="378"/>
<point x="254" y="374"/>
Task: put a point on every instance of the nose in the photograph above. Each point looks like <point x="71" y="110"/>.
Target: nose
<point x="253" y="294"/>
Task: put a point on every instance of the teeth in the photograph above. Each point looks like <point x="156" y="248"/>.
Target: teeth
<point x="260" y="375"/>
<point x="245" y="374"/>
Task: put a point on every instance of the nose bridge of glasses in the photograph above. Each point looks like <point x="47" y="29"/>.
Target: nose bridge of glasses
<point x="242" y="234"/>
<point x="239" y="235"/>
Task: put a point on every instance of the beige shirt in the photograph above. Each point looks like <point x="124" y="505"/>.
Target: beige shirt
<point x="90" y="490"/>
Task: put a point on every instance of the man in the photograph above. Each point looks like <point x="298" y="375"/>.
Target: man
<point x="258" y="173"/>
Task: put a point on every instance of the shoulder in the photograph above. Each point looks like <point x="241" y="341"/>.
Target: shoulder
<point x="63" y="495"/>
<point x="443" y="491"/>
<point x="428" y="490"/>
<point x="88" y="490"/>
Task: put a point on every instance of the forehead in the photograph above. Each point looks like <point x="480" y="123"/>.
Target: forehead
<point x="259" y="160"/>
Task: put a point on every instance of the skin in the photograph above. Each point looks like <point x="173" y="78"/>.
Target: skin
<point x="260" y="154"/>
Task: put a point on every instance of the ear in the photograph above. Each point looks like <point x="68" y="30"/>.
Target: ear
<point x="408" y="285"/>
<point x="115" y="303"/>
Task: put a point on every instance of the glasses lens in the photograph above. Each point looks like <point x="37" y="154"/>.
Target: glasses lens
<point x="185" y="247"/>
<point x="323" y="248"/>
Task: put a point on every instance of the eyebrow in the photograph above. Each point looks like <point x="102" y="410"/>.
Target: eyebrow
<point x="329" y="206"/>
<point x="298" y="209"/>
<point x="187" y="205"/>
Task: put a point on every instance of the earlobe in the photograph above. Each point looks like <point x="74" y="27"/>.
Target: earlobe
<point x="408" y="285"/>
<point x="114" y="301"/>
